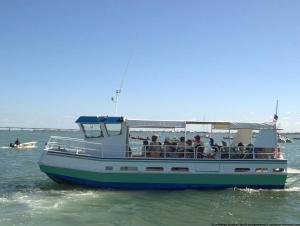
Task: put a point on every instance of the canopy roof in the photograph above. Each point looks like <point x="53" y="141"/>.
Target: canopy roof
<point x="215" y="125"/>
<point x="136" y="123"/>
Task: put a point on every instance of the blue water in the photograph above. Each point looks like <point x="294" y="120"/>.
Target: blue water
<point x="28" y="197"/>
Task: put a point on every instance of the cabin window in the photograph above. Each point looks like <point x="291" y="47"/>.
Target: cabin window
<point x="153" y="168"/>
<point x="92" y="130"/>
<point x="241" y="170"/>
<point x="180" y="169"/>
<point x="108" y="168"/>
<point x="113" y="129"/>
<point x="128" y="168"/>
<point x="278" y="170"/>
<point x="261" y="170"/>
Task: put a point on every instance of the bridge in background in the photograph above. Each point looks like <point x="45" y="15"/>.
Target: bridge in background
<point x="15" y="128"/>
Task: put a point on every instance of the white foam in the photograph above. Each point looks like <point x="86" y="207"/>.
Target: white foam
<point x="38" y="201"/>
<point x="287" y="189"/>
<point x="4" y="200"/>
<point x="291" y="189"/>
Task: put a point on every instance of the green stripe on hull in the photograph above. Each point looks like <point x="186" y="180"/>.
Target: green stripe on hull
<point x="179" y="178"/>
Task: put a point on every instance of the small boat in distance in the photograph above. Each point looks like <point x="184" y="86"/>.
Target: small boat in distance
<point x="24" y="145"/>
<point x="283" y="139"/>
<point x="108" y="158"/>
<point x="296" y="138"/>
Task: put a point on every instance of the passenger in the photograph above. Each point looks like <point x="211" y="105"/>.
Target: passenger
<point x="225" y="150"/>
<point x="145" y="149"/>
<point x="155" y="147"/>
<point x="181" y="147"/>
<point x="189" y="149"/>
<point x="215" y="147"/>
<point x="249" y="151"/>
<point x="240" y="150"/>
<point x="17" y="142"/>
<point x="169" y="148"/>
<point x="199" y="146"/>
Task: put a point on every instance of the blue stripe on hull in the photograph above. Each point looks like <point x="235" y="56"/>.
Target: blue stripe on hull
<point x="116" y="185"/>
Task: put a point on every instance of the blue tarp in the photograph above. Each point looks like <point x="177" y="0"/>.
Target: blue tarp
<point x="98" y="119"/>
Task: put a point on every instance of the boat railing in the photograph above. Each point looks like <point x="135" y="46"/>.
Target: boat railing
<point x="74" y="146"/>
<point x="138" y="150"/>
<point x="205" y="152"/>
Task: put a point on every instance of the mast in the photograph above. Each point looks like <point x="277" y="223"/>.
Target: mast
<point x="118" y="91"/>
<point x="116" y="100"/>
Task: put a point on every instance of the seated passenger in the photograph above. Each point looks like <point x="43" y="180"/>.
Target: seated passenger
<point x="249" y="151"/>
<point x="238" y="152"/>
<point x="215" y="147"/>
<point x="17" y="142"/>
<point x="199" y="146"/>
<point x="155" y="147"/>
<point x="181" y="147"/>
<point x="241" y="149"/>
<point x="169" y="148"/>
<point x="224" y="150"/>
<point x="189" y="149"/>
<point x="145" y="148"/>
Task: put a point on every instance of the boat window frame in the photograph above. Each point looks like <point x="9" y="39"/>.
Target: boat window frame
<point x="84" y="130"/>
<point x="109" y="168"/>
<point x="129" y="168"/>
<point x="111" y="135"/>
<point x="261" y="170"/>
<point x="242" y="169"/>
<point x="180" y="169"/>
<point x="279" y="170"/>
<point x="154" y="169"/>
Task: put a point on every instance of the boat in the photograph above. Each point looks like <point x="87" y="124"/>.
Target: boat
<point x="296" y="138"/>
<point x="107" y="158"/>
<point x="24" y="145"/>
<point x="288" y="140"/>
<point x="283" y="139"/>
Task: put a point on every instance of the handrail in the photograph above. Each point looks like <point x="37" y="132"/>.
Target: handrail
<point x="73" y="139"/>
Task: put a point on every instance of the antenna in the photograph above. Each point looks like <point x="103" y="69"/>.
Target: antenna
<point x="276" y="113"/>
<point x="118" y="91"/>
<point x="116" y="100"/>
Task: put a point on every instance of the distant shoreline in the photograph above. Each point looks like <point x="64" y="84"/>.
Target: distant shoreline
<point x="15" y="128"/>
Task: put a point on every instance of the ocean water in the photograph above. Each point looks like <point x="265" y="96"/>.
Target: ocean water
<point x="29" y="197"/>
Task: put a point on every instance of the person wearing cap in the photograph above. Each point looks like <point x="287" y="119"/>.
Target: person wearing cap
<point x="199" y="146"/>
<point x="155" y="147"/>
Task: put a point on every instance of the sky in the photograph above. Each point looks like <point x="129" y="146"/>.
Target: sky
<point x="187" y="59"/>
